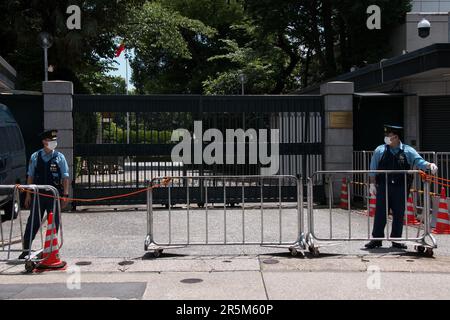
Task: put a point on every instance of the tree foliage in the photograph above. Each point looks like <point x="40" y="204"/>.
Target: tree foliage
<point x="197" y="46"/>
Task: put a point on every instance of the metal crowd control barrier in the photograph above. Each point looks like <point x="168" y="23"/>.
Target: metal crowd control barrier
<point x="337" y="219"/>
<point x="361" y="162"/>
<point x="33" y="259"/>
<point x="269" y="225"/>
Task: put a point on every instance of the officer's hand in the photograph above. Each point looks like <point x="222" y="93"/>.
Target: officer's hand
<point x="64" y="203"/>
<point x="27" y="201"/>
<point x="373" y="189"/>
<point x="434" y="168"/>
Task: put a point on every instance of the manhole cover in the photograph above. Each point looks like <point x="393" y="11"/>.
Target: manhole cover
<point x="126" y="263"/>
<point x="409" y="260"/>
<point x="191" y="281"/>
<point x="271" y="261"/>
<point x="83" y="263"/>
<point x="227" y="261"/>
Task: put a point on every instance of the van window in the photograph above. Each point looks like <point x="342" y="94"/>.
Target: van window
<point x="11" y="140"/>
<point x="18" y="138"/>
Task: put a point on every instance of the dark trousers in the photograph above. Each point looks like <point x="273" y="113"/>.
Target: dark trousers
<point x="46" y="205"/>
<point x="396" y="203"/>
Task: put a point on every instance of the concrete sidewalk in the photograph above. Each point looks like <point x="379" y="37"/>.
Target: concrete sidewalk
<point x="105" y="252"/>
<point x="235" y="278"/>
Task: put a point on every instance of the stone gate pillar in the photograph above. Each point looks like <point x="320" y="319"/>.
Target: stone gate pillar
<point x="58" y="115"/>
<point x="338" y="101"/>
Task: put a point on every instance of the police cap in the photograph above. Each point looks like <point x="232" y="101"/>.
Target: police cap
<point x="49" y="135"/>
<point x="393" y="129"/>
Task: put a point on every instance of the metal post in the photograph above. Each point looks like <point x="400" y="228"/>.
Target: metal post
<point x="150" y="212"/>
<point x="188" y="213"/>
<point x="300" y="207"/>
<point x="45" y="64"/>
<point x="1" y="233"/>
<point x="243" y="213"/>
<point x="12" y="219"/>
<point x="311" y="206"/>
<point x="367" y="187"/>
<point x="349" y="211"/>
<point x="330" y="202"/>
<point x="170" y="214"/>
<point x="206" y="211"/>
<point x="387" y="206"/>
<point x="426" y="207"/>
<point x="262" y="211"/>
<point x="224" y="213"/>
<point x="280" y="216"/>
<point x="405" y="217"/>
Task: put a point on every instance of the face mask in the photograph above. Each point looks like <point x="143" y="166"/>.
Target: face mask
<point x="52" y="145"/>
<point x="387" y="141"/>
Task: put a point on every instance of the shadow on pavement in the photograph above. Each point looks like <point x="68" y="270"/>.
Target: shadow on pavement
<point x="150" y="256"/>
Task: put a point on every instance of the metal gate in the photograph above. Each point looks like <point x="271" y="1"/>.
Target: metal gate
<point x="123" y="142"/>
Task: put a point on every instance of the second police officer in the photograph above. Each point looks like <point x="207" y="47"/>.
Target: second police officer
<point x="392" y="155"/>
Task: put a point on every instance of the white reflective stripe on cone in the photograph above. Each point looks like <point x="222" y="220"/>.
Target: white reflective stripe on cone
<point x="442" y="221"/>
<point x="50" y="237"/>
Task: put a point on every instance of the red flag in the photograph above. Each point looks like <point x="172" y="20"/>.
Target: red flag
<point x="120" y="49"/>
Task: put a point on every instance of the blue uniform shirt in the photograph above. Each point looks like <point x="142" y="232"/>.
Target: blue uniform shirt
<point x="413" y="158"/>
<point x="60" y="159"/>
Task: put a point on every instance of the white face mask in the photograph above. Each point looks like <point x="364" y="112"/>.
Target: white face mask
<point x="52" y="145"/>
<point x="387" y="141"/>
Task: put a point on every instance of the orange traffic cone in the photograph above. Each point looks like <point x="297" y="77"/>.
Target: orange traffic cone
<point x="410" y="215"/>
<point x="344" y="194"/>
<point x="442" y="219"/>
<point x="372" y="205"/>
<point x="50" y="256"/>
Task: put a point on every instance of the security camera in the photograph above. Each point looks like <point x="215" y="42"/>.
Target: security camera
<point x="424" y="28"/>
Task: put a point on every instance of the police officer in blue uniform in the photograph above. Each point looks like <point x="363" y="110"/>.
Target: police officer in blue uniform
<point x="393" y="155"/>
<point x="47" y="167"/>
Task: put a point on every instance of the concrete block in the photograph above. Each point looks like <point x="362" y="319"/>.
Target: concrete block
<point x="337" y="88"/>
<point x="331" y="166"/>
<point x="57" y="87"/>
<point x="68" y="154"/>
<point x="58" y="120"/>
<point x="339" y="154"/>
<point x="339" y="137"/>
<point x="339" y="103"/>
<point x="58" y="102"/>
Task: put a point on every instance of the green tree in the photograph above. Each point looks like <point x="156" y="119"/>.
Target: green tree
<point x="173" y="41"/>
<point x="74" y="53"/>
<point x="300" y="42"/>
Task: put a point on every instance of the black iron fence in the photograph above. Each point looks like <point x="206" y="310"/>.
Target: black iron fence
<point x="122" y="142"/>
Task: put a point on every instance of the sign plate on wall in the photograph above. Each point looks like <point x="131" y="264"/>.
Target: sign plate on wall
<point x="341" y="120"/>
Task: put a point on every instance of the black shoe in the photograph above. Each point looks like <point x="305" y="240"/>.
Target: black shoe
<point x="397" y="245"/>
<point x="374" y="244"/>
<point x="23" y="255"/>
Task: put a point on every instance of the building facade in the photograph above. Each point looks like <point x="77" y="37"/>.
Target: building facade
<point x="410" y="87"/>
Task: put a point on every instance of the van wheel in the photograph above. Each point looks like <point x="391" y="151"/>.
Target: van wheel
<point x="11" y="211"/>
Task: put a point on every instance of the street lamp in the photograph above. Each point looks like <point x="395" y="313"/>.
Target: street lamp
<point x="45" y="41"/>
<point x="242" y="79"/>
